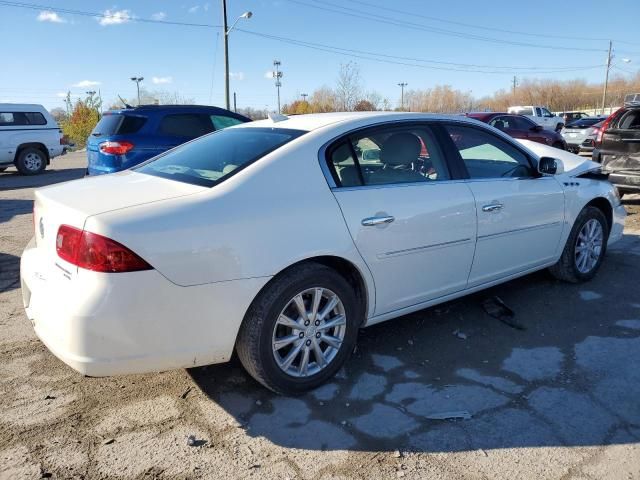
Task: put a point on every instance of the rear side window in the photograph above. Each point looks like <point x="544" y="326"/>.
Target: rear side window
<point x="629" y="120"/>
<point x="116" y="124"/>
<point x="388" y="155"/>
<point x="210" y="160"/>
<point x="222" y="121"/>
<point x="189" y="125"/>
<point x="16" y="119"/>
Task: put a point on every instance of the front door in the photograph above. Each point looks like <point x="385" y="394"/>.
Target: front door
<point x="520" y="213"/>
<point x="412" y="223"/>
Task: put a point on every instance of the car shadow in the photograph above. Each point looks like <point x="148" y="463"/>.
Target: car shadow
<point x="9" y="208"/>
<point x="9" y="272"/>
<point x="12" y="180"/>
<point x="452" y="378"/>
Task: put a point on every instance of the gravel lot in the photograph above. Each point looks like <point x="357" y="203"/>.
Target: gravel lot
<point x="560" y="399"/>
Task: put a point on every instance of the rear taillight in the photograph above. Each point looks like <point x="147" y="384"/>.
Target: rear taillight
<point x="605" y="126"/>
<point x="116" y="148"/>
<point x="95" y="252"/>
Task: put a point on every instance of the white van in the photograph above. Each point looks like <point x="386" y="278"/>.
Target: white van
<point x="29" y="138"/>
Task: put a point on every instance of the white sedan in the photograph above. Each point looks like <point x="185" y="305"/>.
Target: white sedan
<point x="281" y="238"/>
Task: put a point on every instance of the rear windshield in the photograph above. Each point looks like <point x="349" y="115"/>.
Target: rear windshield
<point x="583" y="123"/>
<point x="117" y="124"/>
<point x="209" y="160"/>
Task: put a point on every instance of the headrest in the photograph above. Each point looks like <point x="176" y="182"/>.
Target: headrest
<point x="400" y="149"/>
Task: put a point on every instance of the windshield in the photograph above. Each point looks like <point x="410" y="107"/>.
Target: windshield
<point x="208" y="160"/>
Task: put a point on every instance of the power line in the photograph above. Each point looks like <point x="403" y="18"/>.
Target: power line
<point x="416" y="26"/>
<point x="361" y="54"/>
<point x="482" y="27"/>
<point x="33" y="6"/>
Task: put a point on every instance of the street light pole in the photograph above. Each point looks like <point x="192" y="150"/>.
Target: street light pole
<point x="606" y="78"/>
<point x="226" y="32"/>
<point x="138" y="80"/>
<point x="402" y="85"/>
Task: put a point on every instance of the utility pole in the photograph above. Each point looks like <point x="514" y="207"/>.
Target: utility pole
<point x="402" y="85"/>
<point x="606" y="77"/>
<point x="226" y="31"/>
<point x="277" y="74"/>
<point x="515" y="84"/>
<point x="235" y="107"/>
<point x="137" y="80"/>
<point x="304" y="96"/>
<point x="226" y="53"/>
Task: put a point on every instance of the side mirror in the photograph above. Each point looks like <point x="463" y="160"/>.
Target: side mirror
<point x="548" y="166"/>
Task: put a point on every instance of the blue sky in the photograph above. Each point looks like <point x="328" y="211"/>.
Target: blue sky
<point x="52" y="51"/>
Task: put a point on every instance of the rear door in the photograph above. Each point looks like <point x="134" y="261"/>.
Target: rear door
<point x="520" y="214"/>
<point x="621" y="143"/>
<point x="411" y="220"/>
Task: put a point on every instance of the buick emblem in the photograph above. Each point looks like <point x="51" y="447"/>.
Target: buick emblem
<point x="41" y="226"/>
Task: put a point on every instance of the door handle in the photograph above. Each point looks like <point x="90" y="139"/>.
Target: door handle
<point x="373" y="221"/>
<point x="492" y="207"/>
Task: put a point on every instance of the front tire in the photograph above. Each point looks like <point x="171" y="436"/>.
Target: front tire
<point x="31" y="161"/>
<point x="558" y="145"/>
<point x="585" y="247"/>
<point x="300" y="330"/>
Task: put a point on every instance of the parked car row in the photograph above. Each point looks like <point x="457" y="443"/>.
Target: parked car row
<point x="520" y="126"/>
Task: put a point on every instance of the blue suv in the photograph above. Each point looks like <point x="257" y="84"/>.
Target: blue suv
<point x="127" y="137"/>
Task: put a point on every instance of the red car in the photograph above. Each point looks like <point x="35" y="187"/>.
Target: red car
<point x="519" y="126"/>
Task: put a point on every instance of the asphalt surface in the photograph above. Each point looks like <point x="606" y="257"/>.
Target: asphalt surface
<point x="559" y="398"/>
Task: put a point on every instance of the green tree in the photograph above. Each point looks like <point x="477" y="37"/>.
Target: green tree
<point x="81" y="122"/>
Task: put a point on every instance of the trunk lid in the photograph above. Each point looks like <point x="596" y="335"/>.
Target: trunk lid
<point x="72" y="202"/>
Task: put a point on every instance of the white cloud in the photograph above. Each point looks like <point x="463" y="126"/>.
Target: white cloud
<point x="86" y="84"/>
<point x="194" y="9"/>
<point x="114" y="17"/>
<point x="161" y="80"/>
<point x="159" y="16"/>
<point x="268" y="74"/>
<point x="49" y="16"/>
<point x="237" y="75"/>
<point x="61" y="94"/>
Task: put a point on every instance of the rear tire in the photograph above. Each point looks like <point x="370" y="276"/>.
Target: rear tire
<point x="31" y="161"/>
<point x="559" y="127"/>
<point x="585" y="247"/>
<point x="286" y="352"/>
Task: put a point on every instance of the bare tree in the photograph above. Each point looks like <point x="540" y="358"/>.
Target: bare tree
<point x="348" y="87"/>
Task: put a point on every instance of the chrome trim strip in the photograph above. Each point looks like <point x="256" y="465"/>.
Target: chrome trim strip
<point x="518" y="230"/>
<point x="408" y="251"/>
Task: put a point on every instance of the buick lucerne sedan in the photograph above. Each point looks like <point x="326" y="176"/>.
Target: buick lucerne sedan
<point x="279" y="239"/>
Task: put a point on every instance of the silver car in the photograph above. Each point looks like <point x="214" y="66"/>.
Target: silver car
<point x="576" y="132"/>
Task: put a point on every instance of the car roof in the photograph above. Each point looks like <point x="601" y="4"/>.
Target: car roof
<point x="314" y="121"/>
<point x="21" y="107"/>
<point x="182" y="108"/>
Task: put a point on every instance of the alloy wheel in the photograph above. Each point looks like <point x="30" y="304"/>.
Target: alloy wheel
<point x="589" y="246"/>
<point x="309" y="332"/>
<point x="33" y="161"/>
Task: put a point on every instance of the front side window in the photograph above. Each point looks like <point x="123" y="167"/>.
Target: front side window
<point x="209" y="160"/>
<point x="188" y="125"/>
<point x="546" y="113"/>
<point x="384" y="156"/>
<point x="487" y="156"/>
<point x="222" y="121"/>
<point x="521" y="123"/>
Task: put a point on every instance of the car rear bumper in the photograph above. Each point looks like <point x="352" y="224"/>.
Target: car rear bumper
<point x="111" y="324"/>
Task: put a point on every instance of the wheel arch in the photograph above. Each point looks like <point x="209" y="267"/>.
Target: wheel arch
<point x="605" y="207"/>
<point x="347" y="269"/>
<point x="40" y="146"/>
